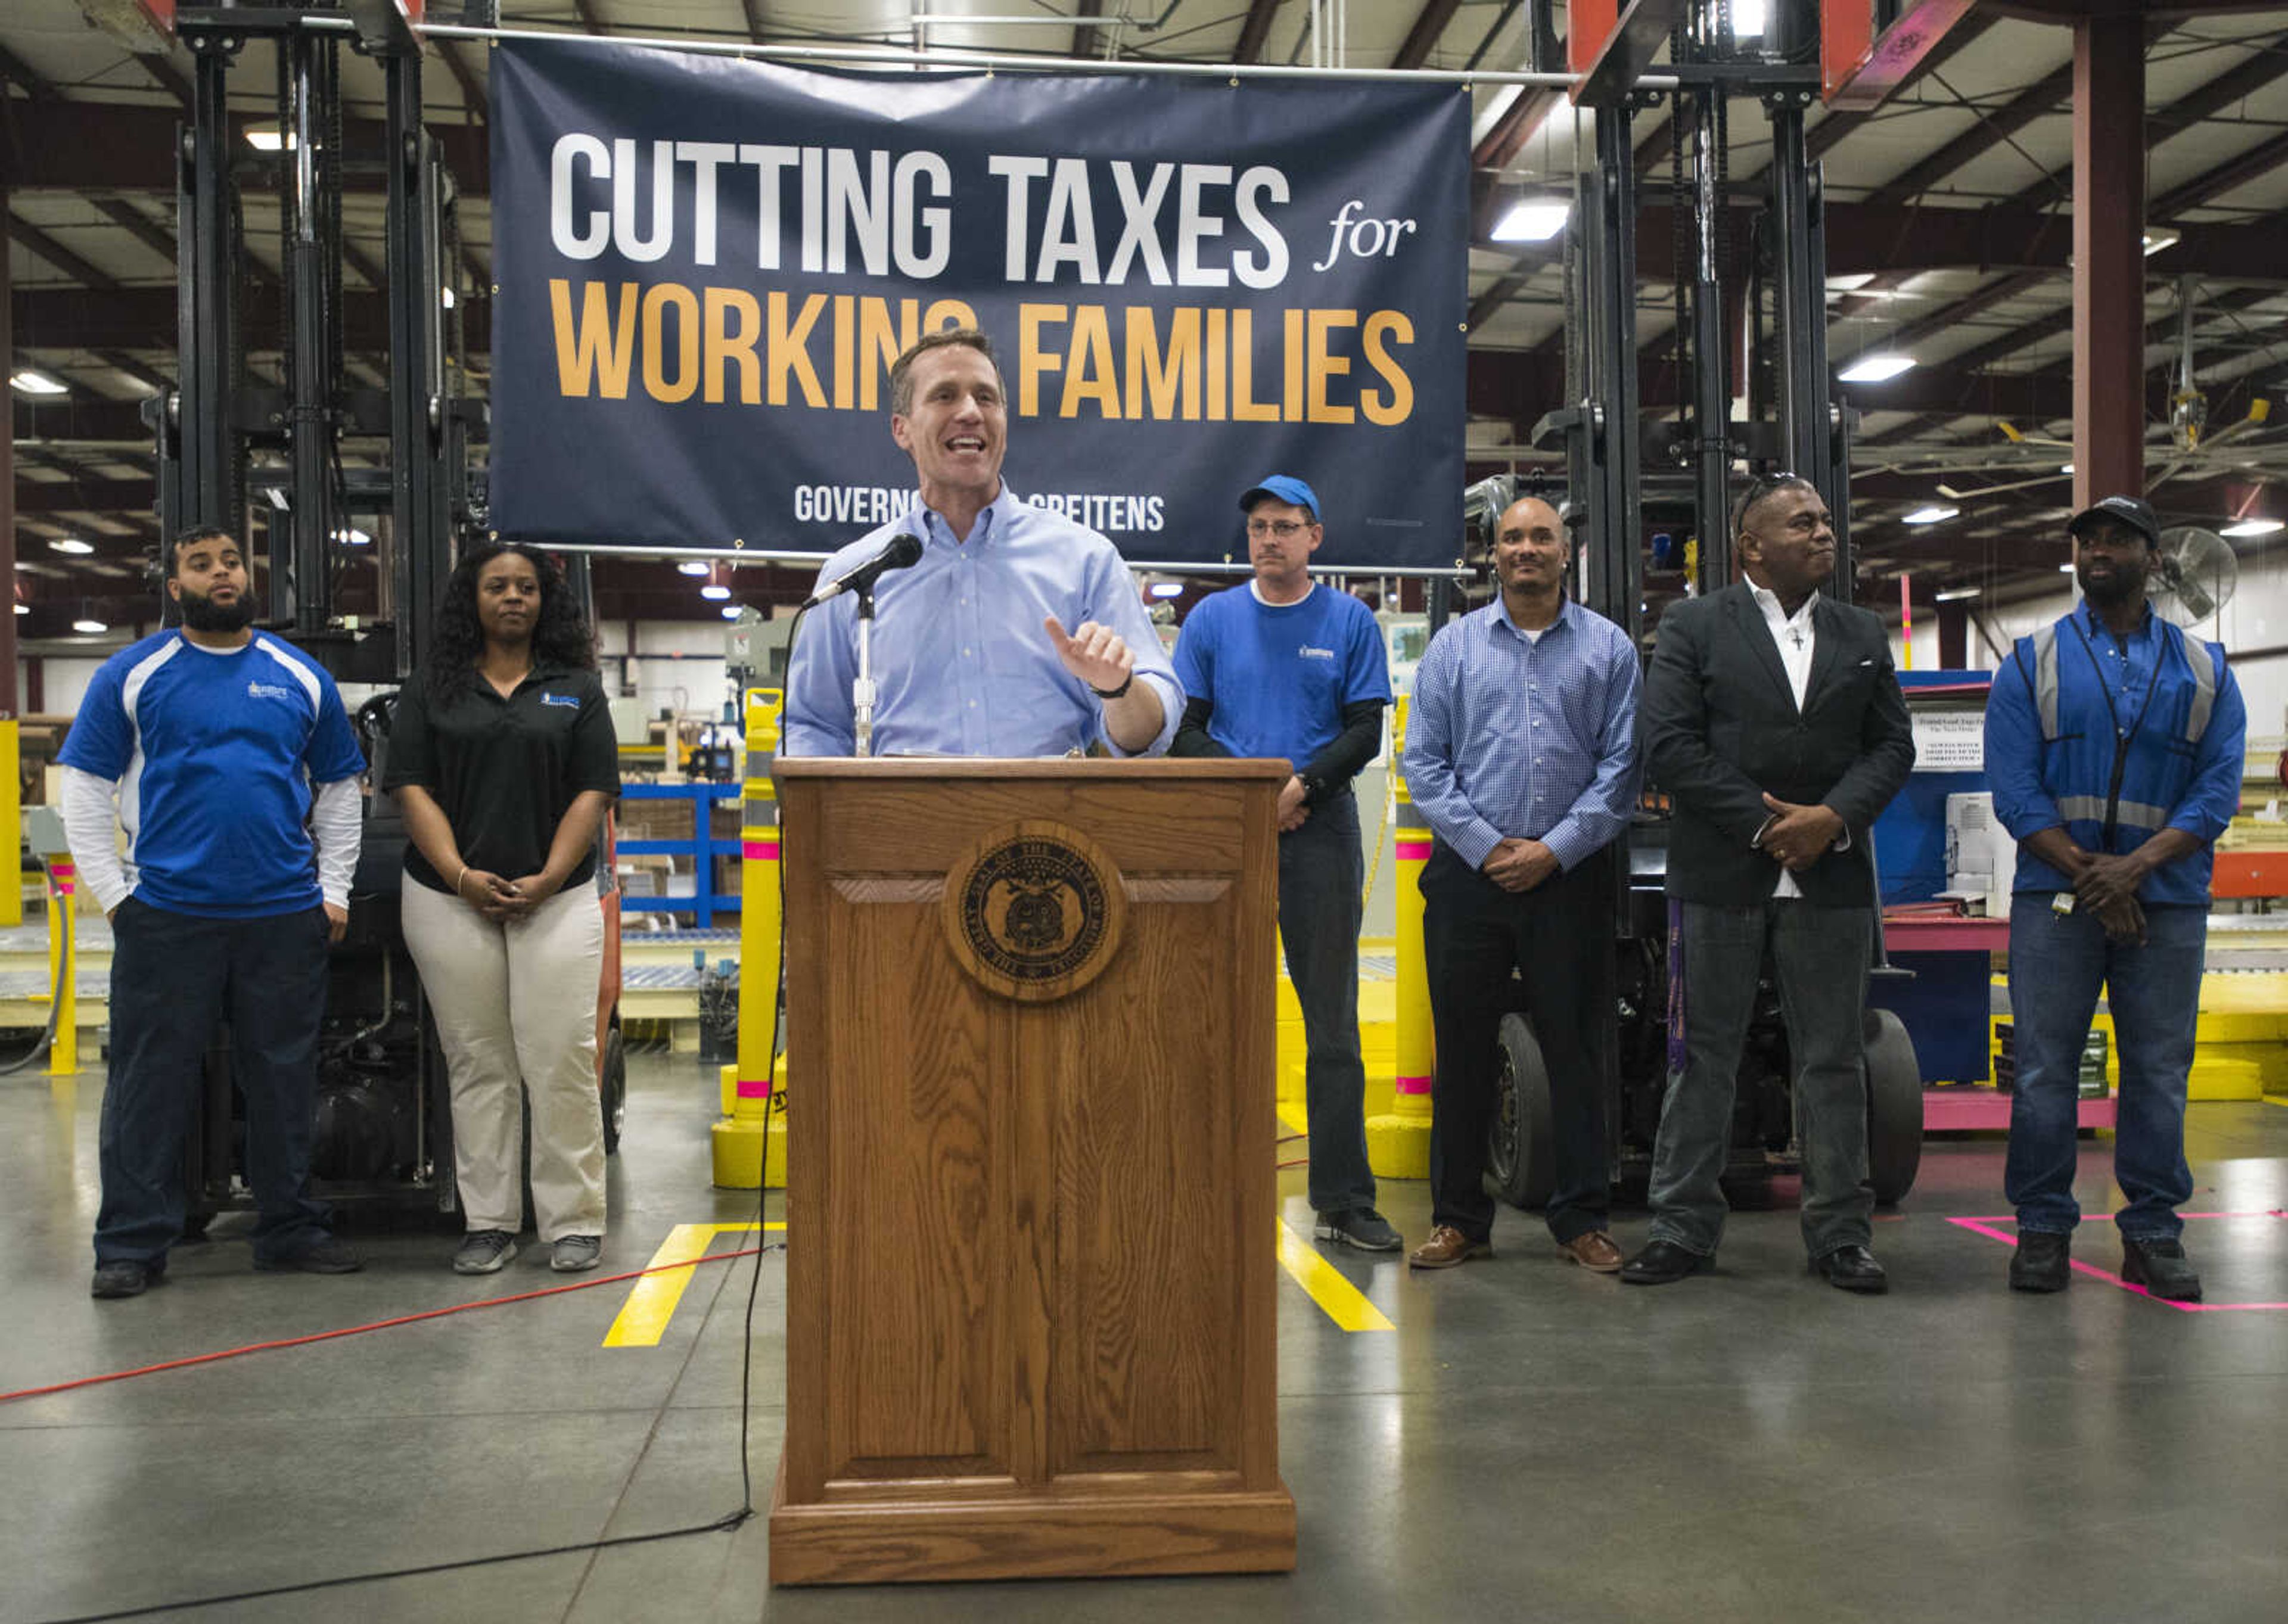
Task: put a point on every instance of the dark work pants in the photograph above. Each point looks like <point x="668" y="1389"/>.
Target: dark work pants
<point x="1820" y="956"/>
<point x="173" y="975"/>
<point x="1559" y="937"/>
<point x="1321" y="873"/>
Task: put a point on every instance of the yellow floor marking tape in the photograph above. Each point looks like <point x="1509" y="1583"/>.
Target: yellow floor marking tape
<point x="651" y="1303"/>
<point x="1343" y="1302"/>
<point x="1292" y="1118"/>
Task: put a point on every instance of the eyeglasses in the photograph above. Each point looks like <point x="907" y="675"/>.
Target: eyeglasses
<point x="1285" y="529"/>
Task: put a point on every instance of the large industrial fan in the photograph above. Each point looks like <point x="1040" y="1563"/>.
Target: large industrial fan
<point x="2198" y="574"/>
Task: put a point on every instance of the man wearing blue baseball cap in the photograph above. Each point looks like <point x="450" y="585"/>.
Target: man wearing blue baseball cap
<point x="1286" y="667"/>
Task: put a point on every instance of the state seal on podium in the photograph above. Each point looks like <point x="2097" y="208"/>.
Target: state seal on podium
<point x="1034" y="911"/>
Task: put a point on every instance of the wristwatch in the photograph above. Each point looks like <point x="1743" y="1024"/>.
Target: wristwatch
<point x="1315" y="787"/>
<point x="1126" y="683"/>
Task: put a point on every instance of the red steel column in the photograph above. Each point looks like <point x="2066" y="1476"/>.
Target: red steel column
<point x="2109" y="277"/>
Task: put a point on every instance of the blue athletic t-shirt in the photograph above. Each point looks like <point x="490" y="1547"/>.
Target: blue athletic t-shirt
<point x="214" y="753"/>
<point x="1280" y="675"/>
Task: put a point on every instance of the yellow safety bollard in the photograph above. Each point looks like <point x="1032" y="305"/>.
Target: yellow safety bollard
<point x="1398" y="1144"/>
<point x="11" y="823"/>
<point x="63" y="1054"/>
<point x="753" y="1087"/>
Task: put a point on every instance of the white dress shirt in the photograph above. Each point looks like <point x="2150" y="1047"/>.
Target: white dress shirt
<point x="1795" y="636"/>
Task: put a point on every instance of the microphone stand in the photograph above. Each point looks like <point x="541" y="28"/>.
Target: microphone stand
<point x="861" y="691"/>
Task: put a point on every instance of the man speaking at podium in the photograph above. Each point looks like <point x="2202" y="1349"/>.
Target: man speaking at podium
<point x="971" y="653"/>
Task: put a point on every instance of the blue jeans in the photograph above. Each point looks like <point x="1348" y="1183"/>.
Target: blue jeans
<point x="1819" y="957"/>
<point x="1321" y="873"/>
<point x="2057" y="964"/>
<point x="173" y="977"/>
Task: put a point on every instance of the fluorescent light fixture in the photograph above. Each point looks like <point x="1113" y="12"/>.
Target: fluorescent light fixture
<point x="1933" y="514"/>
<point x="90" y="627"/>
<point x="1166" y="589"/>
<point x="32" y="381"/>
<point x="1747" y="19"/>
<point x="693" y="567"/>
<point x="715" y="594"/>
<point x="2065" y="569"/>
<point x="353" y="537"/>
<point x="732" y="612"/>
<point x="2255" y="526"/>
<point x="1532" y="222"/>
<point x="23" y="608"/>
<point x="264" y="138"/>
<point x="2065" y="468"/>
<point x="1876" y="369"/>
<point x="2157" y="239"/>
<point x="277" y="496"/>
<point x="447" y="296"/>
<point x="1957" y="595"/>
<point x="71" y="544"/>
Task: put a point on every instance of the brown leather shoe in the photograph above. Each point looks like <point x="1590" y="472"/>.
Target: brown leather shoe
<point x="1447" y="1246"/>
<point x="1595" y="1250"/>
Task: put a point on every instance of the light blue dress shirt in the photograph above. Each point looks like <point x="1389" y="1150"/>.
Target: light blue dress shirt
<point x="1510" y="737"/>
<point x="961" y="664"/>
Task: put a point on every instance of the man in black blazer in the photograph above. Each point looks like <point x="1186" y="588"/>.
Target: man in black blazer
<point x="1772" y="718"/>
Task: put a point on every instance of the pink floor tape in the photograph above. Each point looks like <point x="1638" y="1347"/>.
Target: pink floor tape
<point x="1986" y="1226"/>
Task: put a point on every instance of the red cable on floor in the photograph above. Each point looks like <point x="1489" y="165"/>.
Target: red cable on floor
<point x="357" y="1330"/>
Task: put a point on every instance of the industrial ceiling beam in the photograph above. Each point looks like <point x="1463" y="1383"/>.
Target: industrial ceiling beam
<point x="1422" y="38"/>
<point x="1254" y="30"/>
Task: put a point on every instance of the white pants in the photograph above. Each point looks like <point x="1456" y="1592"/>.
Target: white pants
<point x="516" y="1005"/>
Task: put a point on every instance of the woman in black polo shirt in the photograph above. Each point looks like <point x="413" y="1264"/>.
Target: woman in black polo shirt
<point x="503" y="756"/>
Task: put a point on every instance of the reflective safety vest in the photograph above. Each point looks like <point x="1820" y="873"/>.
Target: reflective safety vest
<point x="2116" y="768"/>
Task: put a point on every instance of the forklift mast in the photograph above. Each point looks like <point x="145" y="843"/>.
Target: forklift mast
<point x="353" y="557"/>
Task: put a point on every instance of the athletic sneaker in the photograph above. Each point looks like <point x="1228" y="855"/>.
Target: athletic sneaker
<point x="1362" y="1227"/>
<point x="575" y="1253"/>
<point x="484" y="1251"/>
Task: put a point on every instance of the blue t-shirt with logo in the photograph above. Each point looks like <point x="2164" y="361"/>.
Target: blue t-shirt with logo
<point x="1280" y="675"/>
<point x="215" y="752"/>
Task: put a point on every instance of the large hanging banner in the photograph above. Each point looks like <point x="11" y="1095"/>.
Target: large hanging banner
<point x="707" y="265"/>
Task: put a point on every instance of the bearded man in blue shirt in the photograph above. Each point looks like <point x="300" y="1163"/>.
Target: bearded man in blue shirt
<point x="2113" y="744"/>
<point x="1289" y="668"/>
<point x="970" y="653"/>
<point x="235" y="772"/>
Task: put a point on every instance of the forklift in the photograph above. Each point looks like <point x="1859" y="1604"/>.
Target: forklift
<point x="353" y="492"/>
<point x="1633" y="474"/>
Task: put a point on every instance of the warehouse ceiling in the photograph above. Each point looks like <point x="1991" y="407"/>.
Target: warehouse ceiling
<point x="1947" y="237"/>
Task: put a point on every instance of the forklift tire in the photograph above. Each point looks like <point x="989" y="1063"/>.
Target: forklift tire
<point x="1521" y="1164"/>
<point x="612" y="1083"/>
<point x="1895" y="1107"/>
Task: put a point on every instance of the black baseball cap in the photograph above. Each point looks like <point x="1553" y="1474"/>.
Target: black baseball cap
<point x="2132" y="511"/>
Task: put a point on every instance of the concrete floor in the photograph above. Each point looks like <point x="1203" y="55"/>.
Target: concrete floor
<point x="1529" y="1442"/>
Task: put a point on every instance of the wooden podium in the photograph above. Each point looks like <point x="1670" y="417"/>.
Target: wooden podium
<point x="1030" y="1178"/>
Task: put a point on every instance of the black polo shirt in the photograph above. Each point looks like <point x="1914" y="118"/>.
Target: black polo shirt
<point x="506" y="771"/>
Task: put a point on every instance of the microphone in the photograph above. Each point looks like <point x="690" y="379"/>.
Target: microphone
<point x="903" y="552"/>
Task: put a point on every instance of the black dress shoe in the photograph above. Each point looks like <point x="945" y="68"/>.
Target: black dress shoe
<point x="2161" y="1267"/>
<point x="1662" y="1263"/>
<point x="1852" y="1269"/>
<point x="2041" y="1262"/>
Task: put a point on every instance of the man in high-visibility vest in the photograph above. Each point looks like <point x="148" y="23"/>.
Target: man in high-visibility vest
<point x="2113" y="743"/>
